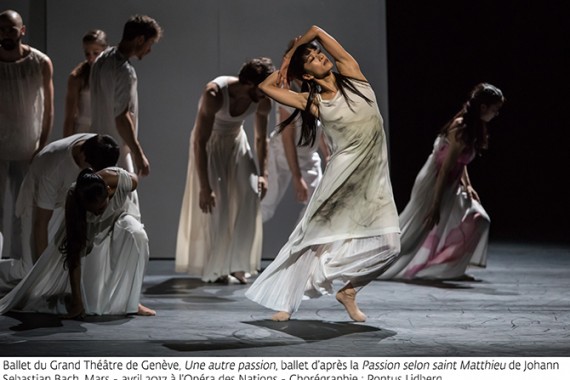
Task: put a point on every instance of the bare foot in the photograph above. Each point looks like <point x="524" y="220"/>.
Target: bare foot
<point x="240" y="276"/>
<point x="145" y="311"/>
<point x="281" y="316"/>
<point x="347" y="297"/>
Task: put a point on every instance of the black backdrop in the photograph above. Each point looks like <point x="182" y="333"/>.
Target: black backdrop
<point x="437" y="51"/>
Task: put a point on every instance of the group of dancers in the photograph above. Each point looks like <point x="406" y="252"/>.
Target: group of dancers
<point x="348" y="232"/>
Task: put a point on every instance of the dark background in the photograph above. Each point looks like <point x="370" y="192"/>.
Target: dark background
<point x="437" y="51"/>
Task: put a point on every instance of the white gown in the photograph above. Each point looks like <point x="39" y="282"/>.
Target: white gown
<point x="279" y="173"/>
<point x="349" y="231"/>
<point x="461" y="236"/>
<point x="111" y="273"/>
<point x="229" y="239"/>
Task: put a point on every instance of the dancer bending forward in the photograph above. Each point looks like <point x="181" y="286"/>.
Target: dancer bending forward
<point x="349" y="231"/>
<point x="105" y="254"/>
<point x="444" y="226"/>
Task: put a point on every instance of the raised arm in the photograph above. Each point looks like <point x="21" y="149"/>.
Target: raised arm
<point x="345" y="63"/>
<point x="271" y="87"/>
<point x="261" y="141"/>
<point x="111" y="178"/>
<point x="210" y="103"/>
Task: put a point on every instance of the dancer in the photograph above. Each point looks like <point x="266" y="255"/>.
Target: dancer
<point x="221" y="240"/>
<point x="42" y="195"/>
<point x="444" y="227"/>
<point x="289" y="162"/>
<point x="78" y="99"/>
<point x="349" y="231"/>
<point x="114" y="98"/>
<point x="105" y="251"/>
<point x="26" y="114"/>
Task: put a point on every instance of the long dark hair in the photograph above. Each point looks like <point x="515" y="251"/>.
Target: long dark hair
<point x="89" y="188"/>
<point x="473" y="131"/>
<point x="296" y="71"/>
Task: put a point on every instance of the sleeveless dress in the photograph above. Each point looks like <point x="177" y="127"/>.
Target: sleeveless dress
<point x="112" y="268"/>
<point x="279" y="174"/>
<point x="349" y="231"/>
<point x="459" y="239"/>
<point x="229" y="239"/>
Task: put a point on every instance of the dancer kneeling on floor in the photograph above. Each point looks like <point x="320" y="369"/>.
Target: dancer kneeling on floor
<point x="99" y="254"/>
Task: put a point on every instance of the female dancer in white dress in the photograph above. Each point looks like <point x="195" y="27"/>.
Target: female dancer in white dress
<point x="221" y="239"/>
<point x="349" y="231"/>
<point x="78" y="100"/>
<point x="105" y="254"/>
<point x="444" y="227"/>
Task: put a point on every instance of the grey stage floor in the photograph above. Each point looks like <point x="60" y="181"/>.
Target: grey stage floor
<point x="519" y="306"/>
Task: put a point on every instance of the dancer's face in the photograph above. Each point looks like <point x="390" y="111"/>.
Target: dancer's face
<point x="489" y="112"/>
<point x="98" y="207"/>
<point x="317" y="65"/>
<point x="144" y="47"/>
<point x="11" y="33"/>
<point x="92" y="51"/>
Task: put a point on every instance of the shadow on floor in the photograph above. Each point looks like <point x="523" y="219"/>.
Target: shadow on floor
<point x="307" y="331"/>
<point x="40" y="324"/>
<point x="316" y="330"/>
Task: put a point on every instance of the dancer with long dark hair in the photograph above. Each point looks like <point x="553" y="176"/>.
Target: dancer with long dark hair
<point x="349" y="231"/>
<point x="444" y="227"/>
<point x="99" y="255"/>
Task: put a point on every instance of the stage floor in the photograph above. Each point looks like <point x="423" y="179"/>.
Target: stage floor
<point x="518" y="306"/>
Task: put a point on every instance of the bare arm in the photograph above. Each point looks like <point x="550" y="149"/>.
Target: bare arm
<point x="71" y="105"/>
<point x="261" y="142"/>
<point x="47" y="119"/>
<point x="345" y="63"/>
<point x="126" y="128"/>
<point x="288" y="139"/>
<point x="210" y="103"/>
<point x="466" y="182"/>
<point x="76" y="309"/>
<point x="270" y="86"/>
<point x="111" y="178"/>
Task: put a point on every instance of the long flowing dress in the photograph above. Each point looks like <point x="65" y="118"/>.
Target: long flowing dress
<point x="349" y="231"/>
<point x="229" y="239"/>
<point x="458" y="240"/>
<point x="279" y="173"/>
<point x="112" y="268"/>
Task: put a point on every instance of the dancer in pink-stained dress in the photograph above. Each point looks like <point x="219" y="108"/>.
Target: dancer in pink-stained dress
<point x="444" y="227"/>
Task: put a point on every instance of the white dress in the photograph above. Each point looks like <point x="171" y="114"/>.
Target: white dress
<point x="279" y="173"/>
<point x="229" y="239"/>
<point x="21" y="119"/>
<point x="51" y="173"/>
<point x="458" y="240"/>
<point x="111" y="272"/>
<point x="349" y="231"/>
